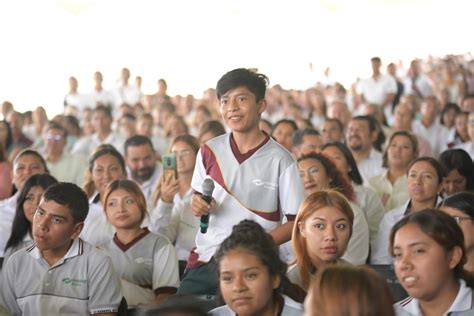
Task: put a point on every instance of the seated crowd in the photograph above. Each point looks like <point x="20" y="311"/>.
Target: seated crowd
<point x="107" y="209"/>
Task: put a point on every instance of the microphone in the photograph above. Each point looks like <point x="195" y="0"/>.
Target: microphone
<point x="207" y="188"/>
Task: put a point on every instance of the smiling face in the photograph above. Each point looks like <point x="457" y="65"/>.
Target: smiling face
<point x="25" y="167"/>
<point x="246" y="284"/>
<point x="240" y="110"/>
<point x="422" y="266"/>
<point x="423" y="183"/>
<point x="105" y="170"/>
<point x="327" y="233"/>
<point x="141" y="161"/>
<point x="358" y="135"/>
<point x="313" y="174"/>
<point x="122" y="210"/>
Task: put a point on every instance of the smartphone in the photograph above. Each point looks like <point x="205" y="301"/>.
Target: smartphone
<point x="169" y="166"/>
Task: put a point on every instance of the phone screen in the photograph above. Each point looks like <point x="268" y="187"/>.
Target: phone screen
<point x="169" y="166"/>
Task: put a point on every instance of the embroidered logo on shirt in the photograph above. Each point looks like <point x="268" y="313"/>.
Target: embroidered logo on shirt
<point x="265" y="184"/>
<point x="74" y="282"/>
<point x="144" y="260"/>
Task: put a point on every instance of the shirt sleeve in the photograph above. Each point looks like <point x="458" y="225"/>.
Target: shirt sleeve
<point x="105" y="290"/>
<point x="165" y="268"/>
<point x="358" y="247"/>
<point x="374" y="211"/>
<point x="160" y="218"/>
<point x="380" y="254"/>
<point x="199" y="173"/>
<point x="8" y="295"/>
<point x="291" y="191"/>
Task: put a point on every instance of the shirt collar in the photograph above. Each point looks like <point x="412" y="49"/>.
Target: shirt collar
<point x="462" y="302"/>
<point x="76" y="249"/>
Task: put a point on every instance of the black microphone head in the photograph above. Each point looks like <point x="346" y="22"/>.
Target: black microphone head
<point x="207" y="187"/>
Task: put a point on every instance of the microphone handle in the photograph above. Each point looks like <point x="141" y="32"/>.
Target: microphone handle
<point x="204" y="224"/>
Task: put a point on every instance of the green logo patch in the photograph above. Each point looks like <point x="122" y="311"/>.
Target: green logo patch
<point x="74" y="282"/>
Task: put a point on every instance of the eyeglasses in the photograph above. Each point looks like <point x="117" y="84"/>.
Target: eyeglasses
<point x="459" y="219"/>
<point x="56" y="138"/>
<point x="182" y="153"/>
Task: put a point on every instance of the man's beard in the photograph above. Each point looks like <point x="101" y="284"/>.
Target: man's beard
<point x="143" y="174"/>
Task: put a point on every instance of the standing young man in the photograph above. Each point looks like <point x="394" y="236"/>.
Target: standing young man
<point x="255" y="178"/>
<point x="60" y="273"/>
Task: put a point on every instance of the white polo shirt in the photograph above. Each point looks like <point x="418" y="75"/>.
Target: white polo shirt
<point x="86" y="145"/>
<point x="82" y="283"/>
<point x="146" y="265"/>
<point x="288" y="308"/>
<point x="7" y="213"/>
<point x="376" y="90"/>
<point x="463" y="304"/>
<point x="96" y="229"/>
<point x="371" y="166"/>
<point x="177" y="222"/>
<point x="380" y="253"/>
<point x="436" y="135"/>
<point x="263" y="185"/>
<point x="394" y="195"/>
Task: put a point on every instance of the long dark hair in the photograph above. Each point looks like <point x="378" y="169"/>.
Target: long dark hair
<point x="444" y="230"/>
<point x="354" y="173"/>
<point x="21" y="226"/>
<point x="250" y="236"/>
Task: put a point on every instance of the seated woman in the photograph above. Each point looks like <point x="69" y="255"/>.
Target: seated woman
<point x="147" y="263"/>
<point x="461" y="207"/>
<point x="429" y="256"/>
<point x="425" y="176"/>
<point x="321" y="234"/>
<point x="345" y="290"/>
<point x="252" y="277"/>
<point x="366" y="198"/>
<point x="172" y="215"/>
<point x="391" y="185"/>
<point x="106" y="164"/>
<point x="459" y="171"/>
<point x="26" y="206"/>
<point x="27" y="163"/>
<point x="319" y="173"/>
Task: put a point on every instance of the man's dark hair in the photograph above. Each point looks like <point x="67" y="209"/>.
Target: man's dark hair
<point x="137" y="140"/>
<point x="70" y="196"/>
<point x="467" y="96"/>
<point x="255" y="82"/>
<point x="376" y="59"/>
<point x="338" y="123"/>
<point x="104" y="109"/>
<point x="56" y="125"/>
<point x="370" y="121"/>
<point x="285" y="121"/>
<point x="301" y="133"/>
<point x="167" y="107"/>
<point x="458" y="159"/>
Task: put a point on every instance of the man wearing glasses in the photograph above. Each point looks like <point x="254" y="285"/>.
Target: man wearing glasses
<point x="62" y="165"/>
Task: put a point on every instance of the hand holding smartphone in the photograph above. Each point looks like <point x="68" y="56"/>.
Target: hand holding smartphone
<point x="169" y="166"/>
